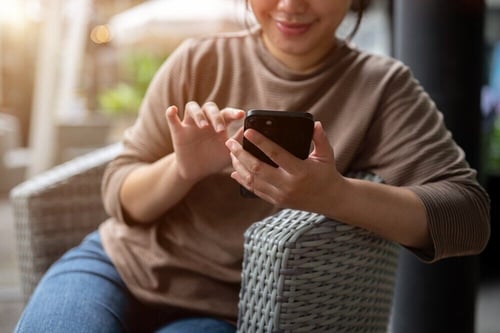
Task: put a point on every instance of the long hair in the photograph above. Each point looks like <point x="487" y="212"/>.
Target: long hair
<point x="358" y="6"/>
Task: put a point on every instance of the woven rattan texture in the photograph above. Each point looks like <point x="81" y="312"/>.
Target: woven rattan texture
<point x="55" y="210"/>
<point x="301" y="271"/>
<point x="305" y="273"/>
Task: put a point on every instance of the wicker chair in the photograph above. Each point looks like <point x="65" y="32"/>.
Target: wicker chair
<point x="301" y="271"/>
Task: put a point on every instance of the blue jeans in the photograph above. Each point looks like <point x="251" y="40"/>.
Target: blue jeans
<point x="82" y="292"/>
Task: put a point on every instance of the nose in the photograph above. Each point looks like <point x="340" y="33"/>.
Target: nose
<point x="293" y="6"/>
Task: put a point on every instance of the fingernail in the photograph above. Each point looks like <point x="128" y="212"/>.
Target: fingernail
<point x="219" y="128"/>
<point x="230" y="144"/>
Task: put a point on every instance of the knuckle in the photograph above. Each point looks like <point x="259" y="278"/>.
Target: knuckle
<point x="191" y="105"/>
<point x="210" y="103"/>
<point x="210" y="107"/>
<point x="273" y="155"/>
<point x="255" y="167"/>
<point x="192" y="109"/>
<point x="248" y="180"/>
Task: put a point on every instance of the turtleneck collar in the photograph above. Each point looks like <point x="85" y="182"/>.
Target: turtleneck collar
<point x="281" y="70"/>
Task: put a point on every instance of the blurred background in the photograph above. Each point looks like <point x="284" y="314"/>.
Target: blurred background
<point x="73" y="73"/>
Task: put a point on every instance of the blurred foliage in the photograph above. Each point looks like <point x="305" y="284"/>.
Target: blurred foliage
<point x="493" y="160"/>
<point x="490" y="107"/>
<point x="125" y="97"/>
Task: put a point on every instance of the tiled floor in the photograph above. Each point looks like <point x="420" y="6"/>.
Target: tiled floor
<point x="488" y="316"/>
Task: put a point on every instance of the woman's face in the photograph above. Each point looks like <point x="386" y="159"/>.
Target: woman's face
<point x="299" y="32"/>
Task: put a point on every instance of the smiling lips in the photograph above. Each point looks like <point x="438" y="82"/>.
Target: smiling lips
<point x="292" y="26"/>
<point x="292" y="29"/>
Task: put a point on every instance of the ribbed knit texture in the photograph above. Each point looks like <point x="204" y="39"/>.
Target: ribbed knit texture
<point x="377" y="118"/>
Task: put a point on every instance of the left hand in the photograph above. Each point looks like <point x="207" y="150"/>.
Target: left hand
<point x="295" y="183"/>
<point x="200" y="136"/>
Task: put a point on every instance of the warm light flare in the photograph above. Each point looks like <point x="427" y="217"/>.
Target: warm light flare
<point x="16" y="15"/>
<point x="100" y="34"/>
<point x="11" y="13"/>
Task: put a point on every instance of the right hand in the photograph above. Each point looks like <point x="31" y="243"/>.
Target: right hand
<point x="199" y="138"/>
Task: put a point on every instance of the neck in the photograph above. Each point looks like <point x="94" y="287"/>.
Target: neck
<point x="299" y="62"/>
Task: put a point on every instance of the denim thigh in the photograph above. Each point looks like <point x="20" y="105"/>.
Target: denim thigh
<point x="198" y="325"/>
<point x="82" y="292"/>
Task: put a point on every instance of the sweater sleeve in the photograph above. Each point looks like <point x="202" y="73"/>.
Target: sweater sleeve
<point x="148" y="139"/>
<point x="409" y="145"/>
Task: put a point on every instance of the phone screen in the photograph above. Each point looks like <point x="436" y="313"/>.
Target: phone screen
<point x="290" y="129"/>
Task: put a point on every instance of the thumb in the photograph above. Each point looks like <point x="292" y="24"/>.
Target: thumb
<point x="238" y="136"/>
<point x="322" y="148"/>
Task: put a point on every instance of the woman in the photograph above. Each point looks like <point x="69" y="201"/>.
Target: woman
<point x="169" y="258"/>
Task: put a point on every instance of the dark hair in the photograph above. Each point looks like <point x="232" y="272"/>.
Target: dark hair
<point x="359" y="7"/>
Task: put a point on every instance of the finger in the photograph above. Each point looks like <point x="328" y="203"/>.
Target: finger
<point x="173" y="120"/>
<point x="250" y="171"/>
<point x="194" y="112"/>
<point x="213" y="113"/>
<point x="256" y="176"/>
<point x="230" y="114"/>
<point x="275" y="152"/>
<point x="322" y="148"/>
<point x="250" y="180"/>
<point x="247" y="160"/>
<point x="265" y="190"/>
<point x="241" y="174"/>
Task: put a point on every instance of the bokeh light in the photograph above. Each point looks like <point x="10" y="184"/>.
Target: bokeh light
<point x="100" y="34"/>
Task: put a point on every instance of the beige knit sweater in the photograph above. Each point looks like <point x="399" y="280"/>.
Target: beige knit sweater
<point x="377" y="118"/>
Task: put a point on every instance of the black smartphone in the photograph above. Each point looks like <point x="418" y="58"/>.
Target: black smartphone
<point x="292" y="130"/>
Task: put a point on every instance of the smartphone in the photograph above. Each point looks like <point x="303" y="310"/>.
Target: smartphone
<point x="292" y="130"/>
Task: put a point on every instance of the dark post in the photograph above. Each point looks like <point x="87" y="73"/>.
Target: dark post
<point x="442" y="42"/>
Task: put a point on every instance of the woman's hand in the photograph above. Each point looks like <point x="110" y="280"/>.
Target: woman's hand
<point x="315" y="185"/>
<point x="199" y="138"/>
<point x="295" y="183"/>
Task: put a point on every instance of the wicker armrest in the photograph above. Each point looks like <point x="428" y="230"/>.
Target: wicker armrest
<point x="303" y="272"/>
<point x="53" y="211"/>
